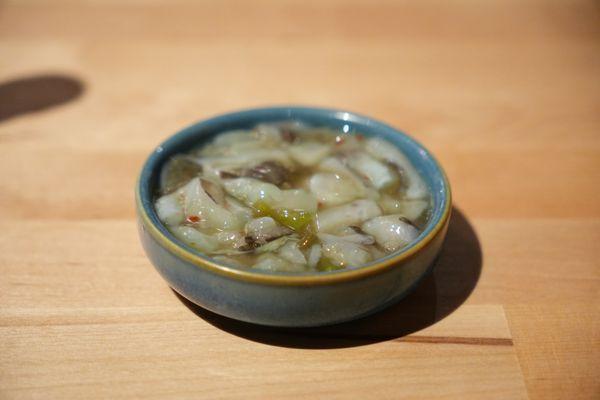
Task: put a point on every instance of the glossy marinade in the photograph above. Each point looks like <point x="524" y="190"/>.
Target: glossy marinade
<point x="287" y="197"/>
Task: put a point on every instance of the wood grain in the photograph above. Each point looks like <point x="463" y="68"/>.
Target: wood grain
<point x="505" y="93"/>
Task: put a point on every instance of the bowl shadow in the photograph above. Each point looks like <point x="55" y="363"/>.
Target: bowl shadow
<point x="36" y="93"/>
<point x="442" y="291"/>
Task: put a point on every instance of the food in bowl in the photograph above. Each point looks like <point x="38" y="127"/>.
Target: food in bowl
<point x="288" y="197"/>
<point x="294" y="299"/>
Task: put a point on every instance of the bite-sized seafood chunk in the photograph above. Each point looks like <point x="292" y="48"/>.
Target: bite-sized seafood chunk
<point x="414" y="209"/>
<point x="231" y="240"/>
<point x="264" y="229"/>
<point x="249" y="190"/>
<point x="342" y="252"/>
<point x="345" y="144"/>
<point x="379" y="175"/>
<point x="293" y="207"/>
<point x="170" y="209"/>
<point x="237" y="141"/>
<point x="239" y="209"/>
<point x="274" y="245"/>
<point x="353" y="213"/>
<point x="309" y="153"/>
<point x="195" y="238"/>
<point x="228" y="139"/>
<point x="201" y="209"/>
<point x="382" y="150"/>
<point x="314" y="255"/>
<point x="332" y="189"/>
<point x="297" y="199"/>
<point x="335" y="165"/>
<point x="391" y="232"/>
<point x="291" y="252"/>
<point x="411" y="209"/>
<point x="268" y="133"/>
<point x="356" y="235"/>
<point x="272" y="263"/>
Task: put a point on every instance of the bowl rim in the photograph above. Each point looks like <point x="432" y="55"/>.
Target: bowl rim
<point x="196" y="258"/>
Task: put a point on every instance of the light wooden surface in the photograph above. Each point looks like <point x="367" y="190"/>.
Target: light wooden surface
<point x="505" y="93"/>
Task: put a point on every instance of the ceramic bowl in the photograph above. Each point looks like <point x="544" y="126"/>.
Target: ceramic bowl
<point x="290" y="300"/>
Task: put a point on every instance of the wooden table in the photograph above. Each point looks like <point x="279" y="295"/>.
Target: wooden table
<point x="505" y="93"/>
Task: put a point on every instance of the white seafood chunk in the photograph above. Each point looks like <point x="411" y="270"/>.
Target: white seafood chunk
<point x="291" y="252"/>
<point x="230" y="150"/>
<point x="353" y="213"/>
<point x="333" y="164"/>
<point x="314" y="255"/>
<point x="169" y="209"/>
<point x="348" y="143"/>
<point x="380" y="175"/>
<point x="390" y="204"/>
<point x="212" y="215"/>
<point x="342" y="252"/>
<point x="372" y="194"/>
<point x="308" y="153"/>
<point x="195" y="238"/>
<point x="231" y="239"/>
<point x="268" y="133"/>
<point x="296" y="199"/>
<point x="272" y="263"/>
<point x="209" y="171"/>
<point x="382" y="150"/>
<point x="249" y="190"/>
<point x="265" y="229"/>
<point x="233" y="205"/>
<point x="391" y="231"/>
<point x="360" y="239"/>
<point x="356" y="235"/>
<point x="273" y="245"/>
<point x="411" y="209"/>
<point x="332" y="189"/>
<point x="231" y="138"/>
<point x="376" y="253"/>
<point x="238" y="141"/>
<point x="247" y="157"/>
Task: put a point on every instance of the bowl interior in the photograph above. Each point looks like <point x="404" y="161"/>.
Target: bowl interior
<point x="202" y="132"/>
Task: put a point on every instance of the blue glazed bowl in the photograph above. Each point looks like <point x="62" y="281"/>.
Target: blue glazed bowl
<point x="290" y="300"/>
